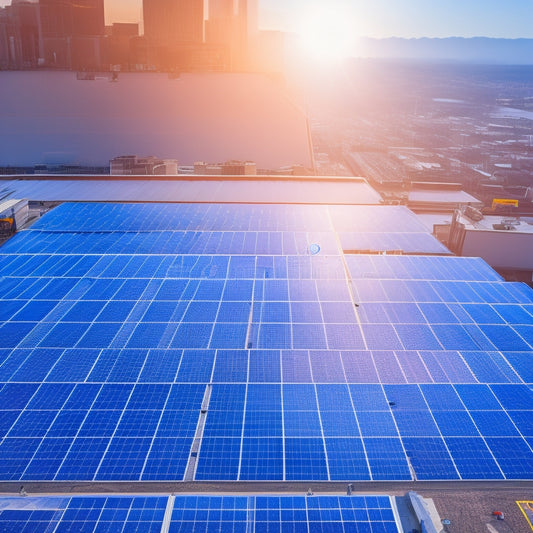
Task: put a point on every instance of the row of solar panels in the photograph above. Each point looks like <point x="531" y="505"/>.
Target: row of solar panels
<point x="224" y="334"/>
<point x="265" y="431"/>
<point x="95" y="217"/>
<point x="261" y="366"/>
<point x="425" y="268"/>
<point x="199" y="514"/>
<point x="189" y="243"/>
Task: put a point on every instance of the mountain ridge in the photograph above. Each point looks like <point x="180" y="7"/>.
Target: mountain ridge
<point x="517" y="51"/>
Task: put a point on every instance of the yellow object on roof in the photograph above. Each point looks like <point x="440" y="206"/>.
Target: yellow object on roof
<point x="504" y="201"/>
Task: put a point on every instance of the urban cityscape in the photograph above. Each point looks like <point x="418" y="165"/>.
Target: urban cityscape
<point x="266" y="266"/>
<point x="58" y="34"/>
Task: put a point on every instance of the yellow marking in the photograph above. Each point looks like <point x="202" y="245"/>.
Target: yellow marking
<point x="529" y="506"/>
<point x="504" y="201"/>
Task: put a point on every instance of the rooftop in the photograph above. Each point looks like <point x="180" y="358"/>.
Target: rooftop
<point x="488" y="223"/>
<point x="442" y="197"/>
<point x="204" y="189"/>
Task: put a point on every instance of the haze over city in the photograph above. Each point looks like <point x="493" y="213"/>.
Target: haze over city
<point x="381" y="18"/>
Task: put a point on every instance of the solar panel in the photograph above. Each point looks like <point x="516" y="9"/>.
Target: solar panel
<point x="129" y="352"/>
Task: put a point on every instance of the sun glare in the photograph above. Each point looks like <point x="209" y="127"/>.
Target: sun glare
<point x="327" y="34"/>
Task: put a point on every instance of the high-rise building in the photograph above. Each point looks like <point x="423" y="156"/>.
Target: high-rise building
<point x="88" y="17"/>
<point x="72" y="31"/>
<point x="170" y="22"/>
<point x="219" y="27"/>
<point x="20" y="36"/>
<point x="249" y="17"/>
<point x="72" y="18"/>
<point x="246" y="31"/>
<point x="25" y="16"/>
<point x="10" y="41"/>
<point x="120" y="44"/>
<point x="233" y="29"/>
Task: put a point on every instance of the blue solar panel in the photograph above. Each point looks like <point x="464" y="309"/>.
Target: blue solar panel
<point x="456" y="423"/>
<point x="262" y="459"/>
<point x="305" y="459"/>
<point x="219" y="459"/>
<point x="167" y="459"/>
<point x="430" y="458"/>
<point x="514" y="456"/>
<point x="386" y="458"/>
<point x="347" y="459"/>
<point x="377" y="424"/>
<point x="473" y="459"/>
<point x="124" y="458"/>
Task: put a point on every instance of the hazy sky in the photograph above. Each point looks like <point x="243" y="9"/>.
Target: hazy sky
<point x="385" y="18"/>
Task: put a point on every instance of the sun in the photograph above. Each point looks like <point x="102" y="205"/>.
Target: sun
<point x="327" y="33"/>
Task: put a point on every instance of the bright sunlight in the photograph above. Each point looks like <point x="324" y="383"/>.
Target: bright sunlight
<point x="327" y="33"/>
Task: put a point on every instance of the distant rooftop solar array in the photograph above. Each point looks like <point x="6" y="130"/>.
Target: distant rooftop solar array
<point x="199" y="514"/>
<point x="228" y="229"/>
<point x="301" y="365"/>
<point x="213" y="190"/>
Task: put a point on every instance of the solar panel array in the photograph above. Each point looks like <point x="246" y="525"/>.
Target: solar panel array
<point x="308" y="363"/>
<point x="82" y="514"/>
<point x="199" y="514"/>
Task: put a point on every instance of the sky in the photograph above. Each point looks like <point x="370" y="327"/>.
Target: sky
<point x="382" y="18"/>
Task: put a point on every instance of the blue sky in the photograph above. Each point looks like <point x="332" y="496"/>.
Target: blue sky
<point x="386" y="18"/>
<point x="417" y="18"/>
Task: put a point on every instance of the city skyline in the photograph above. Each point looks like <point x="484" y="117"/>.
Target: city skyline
<point x="386" y="18"/>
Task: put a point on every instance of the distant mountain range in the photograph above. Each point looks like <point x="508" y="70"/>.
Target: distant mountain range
<point x="468" y="50"/>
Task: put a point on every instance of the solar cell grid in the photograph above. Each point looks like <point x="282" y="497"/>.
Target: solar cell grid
<point x="279" y="337"/>
<point x="99" y="513"/>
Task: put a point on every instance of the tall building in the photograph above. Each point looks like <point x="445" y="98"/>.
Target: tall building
<point x="72" y="31"/>
<point x="246" y="31"/>
<point x="88" y="17"/>
<point x="173" y="32"/>
<point x="249" y="16"/>
<point x="120" y="44"/>
<point x="219" y="27"/>
<point x="171" y="22"/>
<point x="20" y="40"/>
<point x="233" y="29"/>
<point x="72" y="18"/>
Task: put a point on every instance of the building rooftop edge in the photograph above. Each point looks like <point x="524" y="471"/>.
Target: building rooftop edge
<point x="181" y="177"/>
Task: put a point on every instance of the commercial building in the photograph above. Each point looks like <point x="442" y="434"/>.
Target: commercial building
<point x="229" y="168"/>
<point x="504" y="242"/>
<point x="132" y="165"/>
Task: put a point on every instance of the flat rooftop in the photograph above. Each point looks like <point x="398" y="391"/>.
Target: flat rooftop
<point x="442" y="197"/>
<point x="519" y="225"/>
<point x="202" y="189"/>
